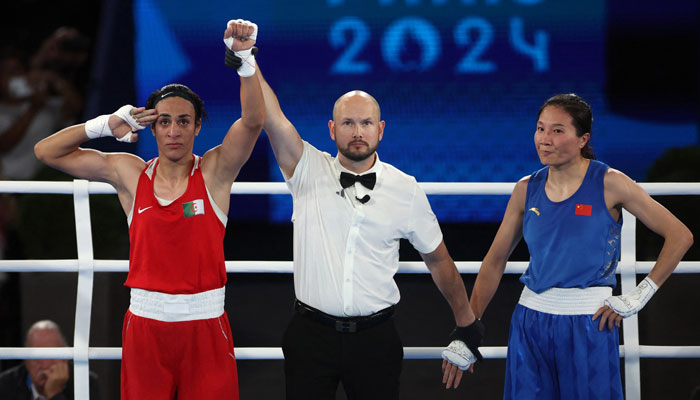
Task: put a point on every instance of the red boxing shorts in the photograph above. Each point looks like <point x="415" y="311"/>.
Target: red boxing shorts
<point x="187" y="359"/>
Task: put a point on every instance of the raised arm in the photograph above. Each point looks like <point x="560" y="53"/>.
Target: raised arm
<point x="62" y="151"/>
<point x="222" y="164"/>
<point x="509" y="234"/>
<point x="284" y="138"/>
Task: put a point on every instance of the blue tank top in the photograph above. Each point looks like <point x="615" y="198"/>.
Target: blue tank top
<point x="573" y="243"/>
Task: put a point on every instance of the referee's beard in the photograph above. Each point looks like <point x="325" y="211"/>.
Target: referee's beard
<point x="358" y="155"/>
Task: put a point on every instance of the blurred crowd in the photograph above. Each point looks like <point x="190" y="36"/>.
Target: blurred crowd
<point x="41" y="91"/>
<point x="39" y="94"/>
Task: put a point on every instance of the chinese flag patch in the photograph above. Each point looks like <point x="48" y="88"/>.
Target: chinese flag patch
<point x="584" y="209"/>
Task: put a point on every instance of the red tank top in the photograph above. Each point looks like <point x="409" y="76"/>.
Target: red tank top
<point x="178" y="248"/>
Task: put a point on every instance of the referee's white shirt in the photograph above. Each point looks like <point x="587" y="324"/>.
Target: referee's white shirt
<point x="346" y="253"/>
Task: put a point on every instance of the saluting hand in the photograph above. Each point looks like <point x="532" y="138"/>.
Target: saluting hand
<point x="126" y="121"/>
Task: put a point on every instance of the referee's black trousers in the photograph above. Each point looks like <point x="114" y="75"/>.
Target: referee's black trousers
<point x="317" y="357"/>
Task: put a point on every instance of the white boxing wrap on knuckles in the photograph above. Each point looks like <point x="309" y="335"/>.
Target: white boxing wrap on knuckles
<point x="459" y="354"/>
<point x="126" y="138"/>
<point x="124" y="112"/>
<point x="463" y="349"/>
<point x="632" y="302"/>
<point x="247" y="67"/>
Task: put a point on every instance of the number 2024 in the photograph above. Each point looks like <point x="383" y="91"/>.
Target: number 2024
<point x="427" y="38"/>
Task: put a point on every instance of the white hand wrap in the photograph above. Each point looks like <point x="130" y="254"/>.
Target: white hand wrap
<point x="630" y="303"/>
<point x="126" y="138"/>
<point x="247" y="67"/>
<point x="99" y="126"/>
<point x="124" y="112"/>
<point x="459" y="354"/>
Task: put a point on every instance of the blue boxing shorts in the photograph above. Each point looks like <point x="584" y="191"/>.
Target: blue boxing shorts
<point x="555" y="351"/>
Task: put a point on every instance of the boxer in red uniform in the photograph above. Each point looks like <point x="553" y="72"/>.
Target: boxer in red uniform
<point x="176" y="337"/>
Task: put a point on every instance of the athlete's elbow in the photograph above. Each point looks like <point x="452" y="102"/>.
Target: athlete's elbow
<point x="254" y="121"/>
<point x="44" y="153"/>
<point x="40" y="151"/>
<point x="688" y="239"/>
<point x="682" y="239"/>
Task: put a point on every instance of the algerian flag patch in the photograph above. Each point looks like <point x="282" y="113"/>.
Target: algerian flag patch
<point x="192" y="208"/>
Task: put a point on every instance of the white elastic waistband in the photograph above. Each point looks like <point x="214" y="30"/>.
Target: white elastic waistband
<point x="177" y="307"/>
<point x="569" y="301"/>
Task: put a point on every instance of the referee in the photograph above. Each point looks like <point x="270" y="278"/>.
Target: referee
<point x="350" y="211"/>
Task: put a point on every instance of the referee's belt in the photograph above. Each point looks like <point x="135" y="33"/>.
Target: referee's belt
<point x="344" y="324"/>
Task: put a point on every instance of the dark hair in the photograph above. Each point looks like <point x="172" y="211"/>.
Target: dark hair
<point x="176" y="89"/>
<point x="581" y="114"/>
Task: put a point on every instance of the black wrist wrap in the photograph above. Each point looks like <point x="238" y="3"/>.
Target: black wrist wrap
<point x="471" y="335"/>
<point x="233" y="61"/>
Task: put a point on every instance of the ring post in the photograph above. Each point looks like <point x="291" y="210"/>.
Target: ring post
<point x="630" y="325"/>
<point x="83" y="304"/>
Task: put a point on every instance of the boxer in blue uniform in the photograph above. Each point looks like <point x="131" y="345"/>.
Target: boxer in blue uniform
<point x="570" y="214"/>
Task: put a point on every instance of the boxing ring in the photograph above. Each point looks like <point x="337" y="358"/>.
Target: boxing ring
<point x="86" y="265"/>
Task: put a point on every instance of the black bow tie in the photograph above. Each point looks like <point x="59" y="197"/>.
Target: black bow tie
<point x="367" y="180"/>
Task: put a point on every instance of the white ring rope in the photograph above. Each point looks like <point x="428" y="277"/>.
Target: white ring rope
<point x="437" y="188"/>
<point x="285" y="267"/>
<point x="85" y="265"/>
<point x="275" y="353"/>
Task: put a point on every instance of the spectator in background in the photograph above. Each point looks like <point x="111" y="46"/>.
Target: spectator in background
<point x="65" y="53"/>
<point x="42" y="379"/>
<point x="38" y="95"/>
<point x="38" y="100"/>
